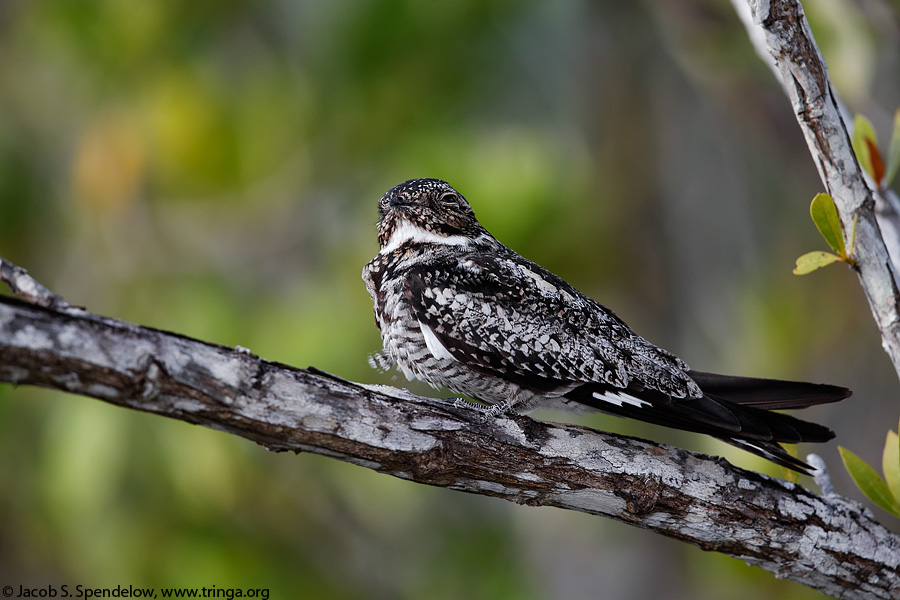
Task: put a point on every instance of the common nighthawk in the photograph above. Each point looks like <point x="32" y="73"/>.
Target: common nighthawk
<point x="457" y="308"/>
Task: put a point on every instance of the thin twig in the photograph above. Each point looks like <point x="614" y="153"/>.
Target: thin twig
<point x="26" y="287"/>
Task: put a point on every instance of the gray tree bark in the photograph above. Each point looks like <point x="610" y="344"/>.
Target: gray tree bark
<point x="826" y="542"/>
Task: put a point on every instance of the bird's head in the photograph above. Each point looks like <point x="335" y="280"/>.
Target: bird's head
<point x="426" y="210"/>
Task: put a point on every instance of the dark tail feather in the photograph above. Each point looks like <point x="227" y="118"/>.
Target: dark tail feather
<point x="736" y="410"/>
<point x="768" y="393"/>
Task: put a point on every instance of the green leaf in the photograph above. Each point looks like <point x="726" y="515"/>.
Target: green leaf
<point x="869" y="482"/>
<point x="864" y="140"/>
<point x="850" y="258"/>
<point x="824" y="214"/>
<point x="811" y="261"/>
<point x="894" y="152"/>
<point x="890" y="464"/>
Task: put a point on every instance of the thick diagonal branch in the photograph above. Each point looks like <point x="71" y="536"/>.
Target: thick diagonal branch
<point x="825" y="542"/>
<point x="780" y="28"/>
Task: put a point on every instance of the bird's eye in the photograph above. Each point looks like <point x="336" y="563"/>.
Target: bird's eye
<point x="449" y="199"/>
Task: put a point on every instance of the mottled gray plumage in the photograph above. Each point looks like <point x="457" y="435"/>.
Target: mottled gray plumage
<point x="456" y="308"/>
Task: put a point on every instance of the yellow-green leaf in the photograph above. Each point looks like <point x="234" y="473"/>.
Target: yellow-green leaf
<point x="890" y="464"/>
<point x="790" y="474"/>
<point x="894" y="151"/>
<point x="850" y="258"/>
<point x="869" y="482"/>
<point x="864" y="140"/>
<point x="824" y="214"/>
<point x="811" y="261"/>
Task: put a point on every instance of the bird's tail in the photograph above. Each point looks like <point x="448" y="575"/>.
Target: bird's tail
<point x="736" y="410"/>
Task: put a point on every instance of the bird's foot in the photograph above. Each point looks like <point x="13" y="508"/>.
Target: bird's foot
<point x="501" y="409"/>
<point x="462" y="403"/>
<point x="493" y="411"/>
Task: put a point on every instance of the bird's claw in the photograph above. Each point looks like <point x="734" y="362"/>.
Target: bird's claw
<point x="462" y="403"/>
<point x="493" y="411"/>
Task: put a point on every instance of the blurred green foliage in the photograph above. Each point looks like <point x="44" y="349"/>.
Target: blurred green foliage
<point x="212" y="168"/>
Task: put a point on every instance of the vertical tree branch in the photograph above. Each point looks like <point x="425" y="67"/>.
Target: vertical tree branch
<point x="781" y="27"/>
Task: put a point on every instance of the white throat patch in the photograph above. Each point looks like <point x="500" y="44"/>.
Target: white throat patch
<point x="407" y="232"/>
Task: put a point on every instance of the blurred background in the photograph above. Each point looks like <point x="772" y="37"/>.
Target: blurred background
<point x="212" y="168"/>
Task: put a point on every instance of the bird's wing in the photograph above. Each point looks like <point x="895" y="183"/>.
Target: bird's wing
<point x="508" y="316"/>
